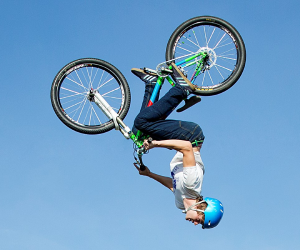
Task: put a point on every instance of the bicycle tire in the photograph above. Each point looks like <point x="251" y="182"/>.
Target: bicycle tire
<point x="223" y="43"/>
<point x="69" y="95"/>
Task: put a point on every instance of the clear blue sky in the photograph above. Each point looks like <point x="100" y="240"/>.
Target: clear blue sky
<point x="67" y="191"/>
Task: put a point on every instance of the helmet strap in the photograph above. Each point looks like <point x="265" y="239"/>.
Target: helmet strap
<point x="194" y="209"/>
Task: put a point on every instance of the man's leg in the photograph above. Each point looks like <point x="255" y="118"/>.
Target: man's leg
<point x="150" y="81"/>
<point x="151" y="120"/>
<point x="163" y="107"/>
<point x="172" y="129"/>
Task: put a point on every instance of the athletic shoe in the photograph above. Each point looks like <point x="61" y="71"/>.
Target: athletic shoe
<point x="181" y="79"/>
<point x="145" y="76"/>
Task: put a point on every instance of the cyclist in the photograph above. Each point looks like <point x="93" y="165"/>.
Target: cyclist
<point x="186" y="138"/>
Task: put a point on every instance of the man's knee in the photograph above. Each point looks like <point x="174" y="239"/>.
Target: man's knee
<point x="139" y="122"/>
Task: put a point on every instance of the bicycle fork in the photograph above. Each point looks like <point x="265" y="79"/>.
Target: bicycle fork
<point x="95" y="96"/>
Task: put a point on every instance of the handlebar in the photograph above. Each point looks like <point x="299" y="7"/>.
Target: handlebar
<point x="140" y="153"/>
<point x="142" y="166"/>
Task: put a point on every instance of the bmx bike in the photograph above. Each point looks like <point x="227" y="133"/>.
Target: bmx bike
<point x="91" y="96"/>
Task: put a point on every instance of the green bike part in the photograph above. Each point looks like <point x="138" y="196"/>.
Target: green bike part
<point x="170" y="81"/>
<point x="137" y="141"/>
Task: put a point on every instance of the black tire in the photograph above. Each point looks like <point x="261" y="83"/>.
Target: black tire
<point x="223" y="43"/>
<point x="69" y="95"/>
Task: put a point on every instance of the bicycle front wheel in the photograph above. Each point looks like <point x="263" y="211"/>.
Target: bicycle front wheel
<point x="223" y="45"/>
<point x="71" y="100"/>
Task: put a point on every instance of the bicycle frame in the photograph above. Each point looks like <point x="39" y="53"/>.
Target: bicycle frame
<point x="138" y="139"/>
<point x="184" y="63"/>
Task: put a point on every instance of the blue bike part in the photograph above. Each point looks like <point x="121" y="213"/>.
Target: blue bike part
<point x="155" y="91"/>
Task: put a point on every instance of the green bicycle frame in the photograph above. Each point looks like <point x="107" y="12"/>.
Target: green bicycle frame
<point x="139" y="138"/>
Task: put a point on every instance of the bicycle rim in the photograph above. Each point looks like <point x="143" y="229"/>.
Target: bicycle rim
<point x="75" y="107"/>
<point x="223" y="45"/>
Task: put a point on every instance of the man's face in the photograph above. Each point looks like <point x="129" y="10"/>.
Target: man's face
<point x="195" y="217"/>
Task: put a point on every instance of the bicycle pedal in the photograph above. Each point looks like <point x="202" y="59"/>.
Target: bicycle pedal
<point x="166" y="70"/>
<point x="189" y="103"/>
<point x="147" y="70"/>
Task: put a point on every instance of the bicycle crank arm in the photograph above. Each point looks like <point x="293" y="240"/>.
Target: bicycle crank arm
<point x="111" y="114"/>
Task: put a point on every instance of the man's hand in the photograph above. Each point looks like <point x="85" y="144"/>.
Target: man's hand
<point x="166" y="181"/>
<point x="145" y="172"/>
<point x="148" y="145"/>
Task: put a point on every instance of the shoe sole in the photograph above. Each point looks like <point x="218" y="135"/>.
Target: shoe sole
<point x="148" y="77"/>
<point x="142" y="71"/>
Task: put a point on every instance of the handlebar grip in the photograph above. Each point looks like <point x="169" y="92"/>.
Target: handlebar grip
<point x="142" y="166"/>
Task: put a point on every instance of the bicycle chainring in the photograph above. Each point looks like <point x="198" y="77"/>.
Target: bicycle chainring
<point x="162" y="69"/>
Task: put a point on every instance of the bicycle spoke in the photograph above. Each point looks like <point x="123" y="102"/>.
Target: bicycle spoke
<point x="205" y="36"/>
<point x="71" y="101"/>
<point x="220" y="73"/>
<point x="230" y="43"/>
<point x="70" y="96"/>
<point x="74" y="94"/>
<point x="72" y="91"/>
<point x="233" y="59"/>
<point x="192" y="42"/>
<point x="89" y="76"/>
<point x="211" y="36"/>
<point x="185" y="49"/>
<point x="111" y="91"/>
<point x="96" y="115"/>
<point x="73" y="105"/>
<point x="105" y="83"/>
<point x="85" y="79"/>
<point x="218" y="45"/>
<point x="210" y="78"/>
<point x="95" y="77"/>
<point x="81" y="85"/>
<point x="85" y="115"/>
<point x="119" y="98"/>
<point x="115" y="109"/>
<point x="203" y="79"/>
<point x="219" y="41"/>
<point x="223" y="67"/>
<point x="78" y="77"/>
<point x="98" y="86"/>
<point x="81" y="110"/>
<point x="228" y="51"/>
<point x="196" y="39"/>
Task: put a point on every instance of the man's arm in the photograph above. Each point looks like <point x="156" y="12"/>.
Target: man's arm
<point x="166" y="181"/>
<point x="185" y="147"/>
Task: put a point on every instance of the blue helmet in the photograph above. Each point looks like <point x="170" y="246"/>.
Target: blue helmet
<point x="213" y="212"/>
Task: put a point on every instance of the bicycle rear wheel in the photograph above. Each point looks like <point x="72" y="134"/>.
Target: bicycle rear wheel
<point x="224" y="46"/>
<point x="70" y="95"/>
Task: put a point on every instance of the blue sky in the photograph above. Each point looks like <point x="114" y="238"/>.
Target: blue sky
<point x="63" y="190"/>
